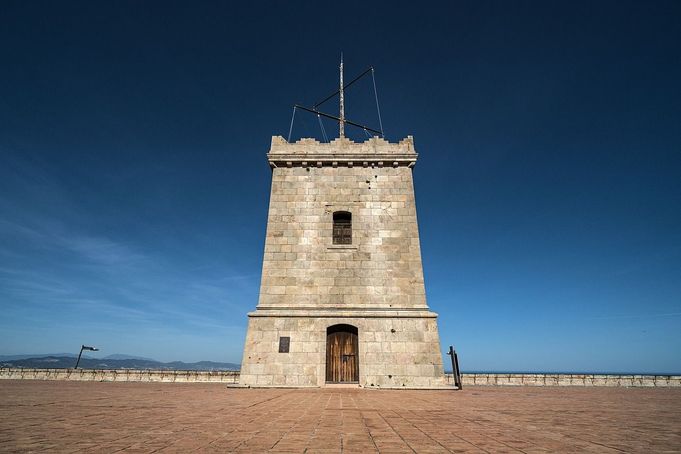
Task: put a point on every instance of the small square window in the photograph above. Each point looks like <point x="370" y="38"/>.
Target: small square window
<point x="284" y="343"/>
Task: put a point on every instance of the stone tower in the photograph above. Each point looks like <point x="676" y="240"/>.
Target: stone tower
<point x="342" y="297"/>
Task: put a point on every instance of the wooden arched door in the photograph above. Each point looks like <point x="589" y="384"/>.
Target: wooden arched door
<point x="342" y="362"/>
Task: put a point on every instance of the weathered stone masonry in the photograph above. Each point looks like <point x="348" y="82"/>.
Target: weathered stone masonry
<point x="230" y="377"/>
<point x="374" y="284"/>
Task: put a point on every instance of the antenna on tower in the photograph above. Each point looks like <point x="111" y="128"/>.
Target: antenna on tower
<point x="342" y="121"/>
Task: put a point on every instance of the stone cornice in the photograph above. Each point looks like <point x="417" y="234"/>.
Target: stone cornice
<point x="343" y="312"/>
<point x="342" y="152"/>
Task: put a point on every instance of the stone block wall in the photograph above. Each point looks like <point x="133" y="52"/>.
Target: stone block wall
<point x="393" y="352"/>
<point x="120" y="375"/>
<point x="568" y="380"/>
<point x="232" y="377"/>
<point x="302" y="267"/>
<point x="374" y="284"/>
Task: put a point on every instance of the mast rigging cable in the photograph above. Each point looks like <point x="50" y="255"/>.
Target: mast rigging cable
<point x="314" y="109"/>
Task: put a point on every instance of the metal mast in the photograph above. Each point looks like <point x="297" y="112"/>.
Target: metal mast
<point x="341" y="118"/>
<point x="341" y="123"/>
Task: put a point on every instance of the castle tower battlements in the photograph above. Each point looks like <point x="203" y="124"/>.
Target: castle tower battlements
<point x="342" y="151"/>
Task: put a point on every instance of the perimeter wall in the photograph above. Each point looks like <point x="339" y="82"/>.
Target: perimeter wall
<point x="232" y="377"/>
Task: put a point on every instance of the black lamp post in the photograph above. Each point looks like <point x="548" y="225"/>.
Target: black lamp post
<point x="84" y="347"/>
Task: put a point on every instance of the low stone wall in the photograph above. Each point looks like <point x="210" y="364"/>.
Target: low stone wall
<point x="189" y="376"/>
<point x="122" y="375"/>
<point x="568" y="380"/>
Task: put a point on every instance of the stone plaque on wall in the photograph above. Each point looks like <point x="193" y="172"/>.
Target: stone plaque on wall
<point x="284" y="343"/>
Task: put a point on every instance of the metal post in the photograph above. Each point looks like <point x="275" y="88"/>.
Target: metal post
<point x="81" y="352"/>
<point x="455" y="367"/>
<point x="342" y="102"/>
<point x="458" y="371"/>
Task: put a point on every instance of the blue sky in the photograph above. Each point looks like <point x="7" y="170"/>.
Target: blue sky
<point x="134" y="185"/>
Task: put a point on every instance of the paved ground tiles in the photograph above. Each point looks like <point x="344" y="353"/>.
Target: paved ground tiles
<point x="57" y="416"/>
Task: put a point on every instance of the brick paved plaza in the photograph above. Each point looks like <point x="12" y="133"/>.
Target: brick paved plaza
<point x="61" y="416"/>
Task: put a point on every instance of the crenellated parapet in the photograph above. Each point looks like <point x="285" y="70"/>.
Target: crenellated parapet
<point x="344" y="152"/>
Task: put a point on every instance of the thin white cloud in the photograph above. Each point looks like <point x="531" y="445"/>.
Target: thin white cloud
<point x="58" y="270"/>
<point x="637" y="316"/>
<point x="101" y="250"/>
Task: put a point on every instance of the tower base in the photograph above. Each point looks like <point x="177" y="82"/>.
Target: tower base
<point x="392" y="349"/>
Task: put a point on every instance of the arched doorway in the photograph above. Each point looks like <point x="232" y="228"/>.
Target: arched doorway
<point x="342" y="363"/>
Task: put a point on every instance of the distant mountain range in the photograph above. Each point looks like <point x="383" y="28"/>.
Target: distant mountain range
<point x="71" y="355"/>
<point x="116" y="361"/>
